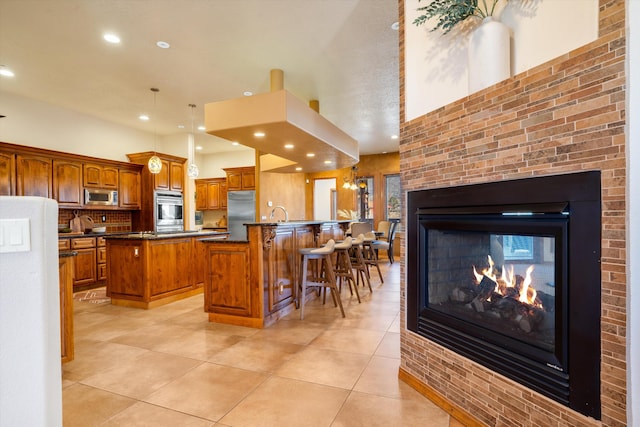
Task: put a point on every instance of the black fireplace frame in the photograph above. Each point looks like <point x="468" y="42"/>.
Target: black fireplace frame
<point x="576" y="381"/>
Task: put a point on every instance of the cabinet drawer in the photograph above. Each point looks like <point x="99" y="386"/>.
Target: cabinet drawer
<point x="102" y="271"/>
<point x="100" y="241"/>
<point x="83" y="243"/>
<point x="102" y="255"/>
<point x="64" y="244"/>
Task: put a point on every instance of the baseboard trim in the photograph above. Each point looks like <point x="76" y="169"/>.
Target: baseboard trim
<point x="455" y="411"/>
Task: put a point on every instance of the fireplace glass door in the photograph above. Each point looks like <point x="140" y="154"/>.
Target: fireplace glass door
<point x="499" y="279"/>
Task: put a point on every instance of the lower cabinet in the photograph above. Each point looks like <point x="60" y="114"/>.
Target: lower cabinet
<point x="65" y="270"/>
<point x="90" y="264"/>
<point x="145" y="273"/>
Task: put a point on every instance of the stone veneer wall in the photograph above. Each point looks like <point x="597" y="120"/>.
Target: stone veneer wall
<point x="563" y="116"/>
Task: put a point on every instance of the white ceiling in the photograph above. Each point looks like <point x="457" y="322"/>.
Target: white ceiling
<point x="341" y="52"/>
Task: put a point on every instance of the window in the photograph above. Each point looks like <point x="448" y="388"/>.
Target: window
<point x="392" y="196"/>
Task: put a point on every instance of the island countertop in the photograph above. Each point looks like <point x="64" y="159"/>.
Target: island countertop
<point x="146" y="235"/>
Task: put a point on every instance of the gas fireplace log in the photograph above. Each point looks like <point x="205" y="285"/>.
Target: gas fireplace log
<point x="485" y="290"/>
<point x="530" y="318"/>
<point x="462" y="295"/>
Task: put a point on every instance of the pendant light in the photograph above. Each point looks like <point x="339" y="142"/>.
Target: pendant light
<point x="155" y="164"/>
<point x="192" y="169"/>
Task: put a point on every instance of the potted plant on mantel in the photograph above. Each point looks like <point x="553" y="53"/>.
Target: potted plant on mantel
<point x="489" y="45"/>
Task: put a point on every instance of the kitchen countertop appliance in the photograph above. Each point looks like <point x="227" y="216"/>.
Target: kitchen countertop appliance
<point x="241" y="209"/>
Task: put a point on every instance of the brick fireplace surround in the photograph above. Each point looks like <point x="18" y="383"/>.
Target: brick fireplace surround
<point x="566" y="115"/>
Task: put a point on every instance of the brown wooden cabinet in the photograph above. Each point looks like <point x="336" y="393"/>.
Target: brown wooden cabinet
<point x="7" y="174"/>
<point x="171" y="176"/>
<point x="67" y="183"/>
<point x="33" y="176"/>
<point x="66" y="271"/>
<point x="100" y="176"/>
<point x="85" y="265"/>
<point x="145" y="273"/>
<point x="243" y="178"/>
<point x="129" y="196"/>
<point x="101" y="259"/>
<point x="211" y="194"/>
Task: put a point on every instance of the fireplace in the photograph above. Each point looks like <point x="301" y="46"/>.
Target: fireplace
<point x="507" y="274"/>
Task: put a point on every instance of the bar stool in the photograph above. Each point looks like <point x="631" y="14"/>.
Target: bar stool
<point x="370" y="257"/>
<point x="343" y="267"/>
<point x="328" y="280"/>
<point x="358" y="263"/>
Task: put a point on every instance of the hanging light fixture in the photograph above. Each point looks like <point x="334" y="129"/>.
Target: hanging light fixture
<point x="192" y="169"/>
<point x="154" y="163"/>
<point x="350" y="181"/>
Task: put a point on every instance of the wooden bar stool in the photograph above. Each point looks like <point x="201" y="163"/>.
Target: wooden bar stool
<point x="370" y="256"/>
<point x="324" y="278"/>
<point x="343" y="267"/>
<point x="358" y="263"/>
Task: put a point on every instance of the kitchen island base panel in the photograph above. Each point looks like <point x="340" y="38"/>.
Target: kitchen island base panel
<point x="146" y="305"/>
<point x="251" y="322"/>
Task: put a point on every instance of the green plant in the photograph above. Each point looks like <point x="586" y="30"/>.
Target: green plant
<point x="452" y="12"/>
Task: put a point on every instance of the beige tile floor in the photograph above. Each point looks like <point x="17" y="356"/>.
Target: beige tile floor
<point x="169" y="366"/>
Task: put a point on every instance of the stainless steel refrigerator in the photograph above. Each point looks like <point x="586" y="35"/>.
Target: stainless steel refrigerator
<point x="241" y="209"/>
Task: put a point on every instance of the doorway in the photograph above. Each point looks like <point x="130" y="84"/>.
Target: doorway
<point x="324" y="198"/>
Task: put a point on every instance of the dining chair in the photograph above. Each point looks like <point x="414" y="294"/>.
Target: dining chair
<point x="358" y="228"/>
<point x="384" y="227"/>
<point x="387" y="244"/>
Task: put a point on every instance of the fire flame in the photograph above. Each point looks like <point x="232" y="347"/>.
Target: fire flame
<point x="507" y="282"/>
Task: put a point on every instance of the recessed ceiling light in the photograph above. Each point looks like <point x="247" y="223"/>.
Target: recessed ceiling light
<point x="198" y="147"/>
<point x="235" y="143"/>
<point x="144" y="117"/>
<point x="180" y="126"/>
<point x="298" y="168"/>
<point x="111" y="38"/>
<point x="163" y="45"/>
<point x="327" y="162"/>
<point x="259" y="134"/>
<point x="395" y="26"/>
<point x="6" y="72"/>
<point x="247" y="93"/>
<point x="201" y="128"/>
<point x="288" y="146"/>
<point x="394" y="136"/>
<point x="311" y="154"/>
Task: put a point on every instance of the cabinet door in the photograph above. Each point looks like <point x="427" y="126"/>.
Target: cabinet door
<point x="198" y="265"/>
<point x="223" y="195"/>
<point x="101" y="254"/>
<point x="99" y="176"/>
<point x="228" y="283"/>
<point x="161" y="179"/>
<point x="85" y="267"/>
<point x="7" y="174"/>
<point x="67" y="183"/>
<point x="34" y="176"/>
<point x="248" y="180"/>
<point x="213" y="195"/>
<point x="65" y="271"/>
<point x="281" y="271"/>
<point x="234" y="181"/>
<point x="129" y="190"/>
<point x="176" y="176"/>
<point x="201" y="196"/>
<point x="109" y="177"/>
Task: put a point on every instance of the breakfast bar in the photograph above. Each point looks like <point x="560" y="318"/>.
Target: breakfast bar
<point x="253" y="282"/>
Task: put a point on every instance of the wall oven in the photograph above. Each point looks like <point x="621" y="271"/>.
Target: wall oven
<point x="168" y="211"/>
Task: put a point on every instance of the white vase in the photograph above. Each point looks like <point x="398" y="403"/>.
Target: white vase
<point x="489" y="54"/>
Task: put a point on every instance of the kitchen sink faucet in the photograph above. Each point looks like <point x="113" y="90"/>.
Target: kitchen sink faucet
<point x="286" y="214"/>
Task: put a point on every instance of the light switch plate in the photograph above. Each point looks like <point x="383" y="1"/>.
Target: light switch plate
<point x="15" y="235"/>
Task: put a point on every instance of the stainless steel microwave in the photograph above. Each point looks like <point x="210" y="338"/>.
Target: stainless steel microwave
<point x="100" y="197"/>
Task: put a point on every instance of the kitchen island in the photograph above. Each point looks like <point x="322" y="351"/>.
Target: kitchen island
<point x="146" y="270"/>
<point x="254" y="282"/>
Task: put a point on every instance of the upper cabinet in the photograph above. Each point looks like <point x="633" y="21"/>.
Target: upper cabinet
<point x="100" y="176"/>
<point x="129" y="195"/>
<point x="33" y="176"/>
<point x="7" y="174"/>
<point x="30" y="171"/>
<point x="211" y="194"/>
<point x="67" y="183"/>
<point x="243" y="178"/>
<point x="171" y="176"/>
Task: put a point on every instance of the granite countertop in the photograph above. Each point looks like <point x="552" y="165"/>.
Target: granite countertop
<point x="299" y="222"/>
<point x="146" y="235"/>
<point x="66" y="254"/>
